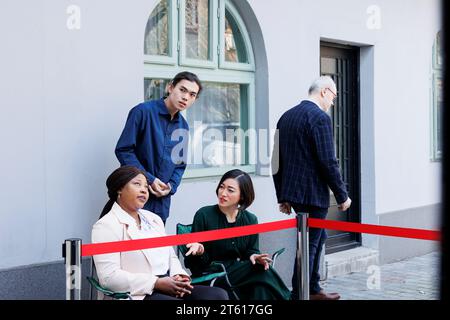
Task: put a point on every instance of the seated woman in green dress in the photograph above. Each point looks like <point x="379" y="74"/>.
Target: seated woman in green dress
<point x="248" y="269"/>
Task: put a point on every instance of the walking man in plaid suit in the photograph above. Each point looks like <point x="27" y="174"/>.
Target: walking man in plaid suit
<point x="304" y="167"/>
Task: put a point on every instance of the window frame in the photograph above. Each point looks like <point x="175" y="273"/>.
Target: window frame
<point x="172" y="58"/>
<point x="436" y="152"/>
<point x="437" y="62"/>
<point x="223" y="64"/>
<point x="212" y="38"/>
<point x="436" y="75"/>
<point x="251" y="148"/>
<point x="161" y="67"/>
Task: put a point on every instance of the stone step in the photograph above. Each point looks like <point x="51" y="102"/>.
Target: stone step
<point x="348" y="261"/>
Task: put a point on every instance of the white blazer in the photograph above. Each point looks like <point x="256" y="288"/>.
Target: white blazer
<point x="131" y="270"/>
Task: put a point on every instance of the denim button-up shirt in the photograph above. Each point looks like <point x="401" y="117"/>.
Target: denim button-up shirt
<point x="148" y="141"/>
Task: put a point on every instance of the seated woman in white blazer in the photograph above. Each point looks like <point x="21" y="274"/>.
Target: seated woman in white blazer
<point x="151" y="274"/>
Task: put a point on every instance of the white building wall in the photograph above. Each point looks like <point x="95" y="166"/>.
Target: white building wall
<point x="66" y="94"/>
<point x="22" y="188"/>
<point x="405" y="177"/>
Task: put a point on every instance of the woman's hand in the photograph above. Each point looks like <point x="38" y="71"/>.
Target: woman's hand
<point x="195" y="248"/>
<point x="182" y="278"/>
<point x="262" y="259"/>
<point x="174" y="286"/>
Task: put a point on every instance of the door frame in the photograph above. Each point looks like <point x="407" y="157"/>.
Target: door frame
<point x="349" y="240"/>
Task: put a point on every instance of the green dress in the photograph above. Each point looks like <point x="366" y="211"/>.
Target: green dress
<point x="251" y="282"/>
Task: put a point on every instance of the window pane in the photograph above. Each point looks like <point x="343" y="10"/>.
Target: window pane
<point x="329" y="64"/>
<point x="157" y="31"/>
<point x="438" y="110"/>
<point x="154" y="88"/>
<point x="197" y="29"/>
<point x="213" y="122"/>
<point x="438" y="48"/>
<point x="437" y="97"/>
<point x="234" y="42"/>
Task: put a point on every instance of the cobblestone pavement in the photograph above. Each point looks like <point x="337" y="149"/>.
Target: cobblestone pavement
<point x="411" y="279"/>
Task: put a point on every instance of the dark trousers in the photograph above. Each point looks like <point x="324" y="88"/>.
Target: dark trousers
<point x="317" y="238"/>
<point x="198" y="293"/>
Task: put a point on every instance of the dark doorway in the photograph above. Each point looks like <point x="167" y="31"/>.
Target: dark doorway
<point x="342" y="64"/>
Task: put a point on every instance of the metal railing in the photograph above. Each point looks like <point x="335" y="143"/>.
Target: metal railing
<point x="71" y="252"/>
<point x="302" y="255"/>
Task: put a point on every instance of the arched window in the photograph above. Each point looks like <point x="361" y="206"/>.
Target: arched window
<point x="437" y="99"/>
<point x="208" y="38"/>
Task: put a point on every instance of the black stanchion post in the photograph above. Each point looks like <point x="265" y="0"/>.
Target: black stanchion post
<point x="71" y="251"/>
<point x="302" y="255"/>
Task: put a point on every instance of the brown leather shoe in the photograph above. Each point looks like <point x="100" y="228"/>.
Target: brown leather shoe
<point x="322" y="295"/>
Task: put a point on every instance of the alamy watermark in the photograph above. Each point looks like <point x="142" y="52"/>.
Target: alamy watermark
<point x="74" y="17"/>
<point x="374" y="280"/>
<point x="73" y="277"/>
<point x="374" y="20"/>
<point x="220" y="146"/>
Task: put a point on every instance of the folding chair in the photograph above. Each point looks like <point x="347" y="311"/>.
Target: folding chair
<point x="275" y="256"/>
<point x="206" y="277"/>
<point x="93" y="281"/>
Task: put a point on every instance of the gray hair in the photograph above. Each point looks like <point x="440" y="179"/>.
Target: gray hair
<point x="320" y="83"/>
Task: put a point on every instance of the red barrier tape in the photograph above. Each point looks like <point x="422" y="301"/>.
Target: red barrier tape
<point x="174" y="240"/>
<point x="374" y="229"/>
<point x="130" y="245"/>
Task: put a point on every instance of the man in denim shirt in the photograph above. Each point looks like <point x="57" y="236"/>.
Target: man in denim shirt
<point x="155" y="139"/>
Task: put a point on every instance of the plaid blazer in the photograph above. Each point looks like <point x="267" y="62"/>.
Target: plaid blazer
<point x="304" y="164"/>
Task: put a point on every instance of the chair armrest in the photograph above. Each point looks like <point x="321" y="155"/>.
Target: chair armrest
<point x="208" y="277"/>
<point x="275" y="256"/>
<point x="219" y="264"/>
<point x="107" y="292"/>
